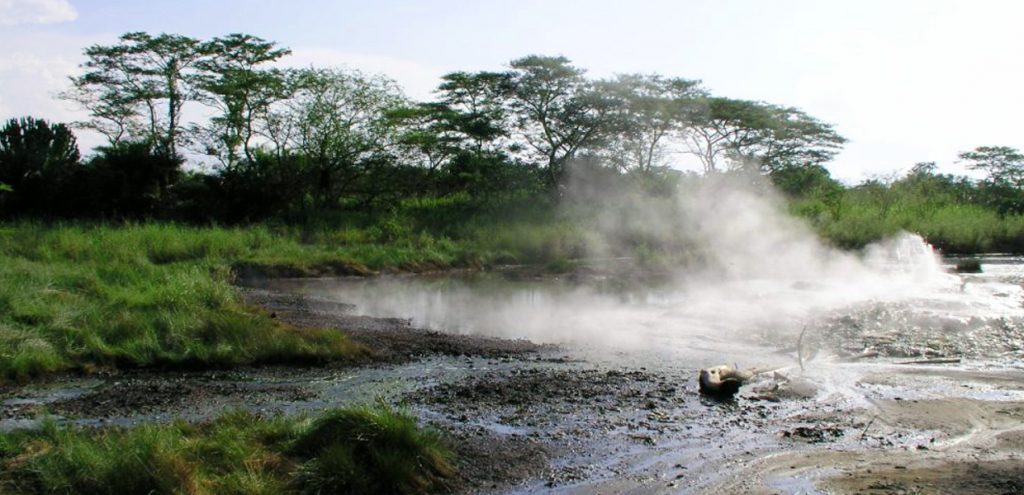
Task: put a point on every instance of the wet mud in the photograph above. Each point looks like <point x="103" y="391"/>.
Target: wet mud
<point x="529" y="418"/>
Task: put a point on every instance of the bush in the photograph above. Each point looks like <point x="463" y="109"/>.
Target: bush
<point x="37" y="163"/>
<point x="371" y="450"/>
<point x="129" y="180"/>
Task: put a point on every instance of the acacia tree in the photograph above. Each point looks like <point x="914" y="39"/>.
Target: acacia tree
<point x="234" y="81"/>
<point x="792" y="139"/>
<point x="338" y="121"/>
<point x="1003" y="188"/>
<point x="136" y="89"/>
<point x="555" y="110"/>
<point x="724" y="126"/>
<point x="759" y="135"/>
<point x="1004" y="165"/>
<point x="469" y="117"/>
<point x="429" y="133"/>
<point x="478" y="102"/>
<point x="647" y="112"/>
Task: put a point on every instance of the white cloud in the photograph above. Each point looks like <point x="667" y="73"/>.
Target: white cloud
<point x="16" y="12"/>
<point x="33" y="69"/>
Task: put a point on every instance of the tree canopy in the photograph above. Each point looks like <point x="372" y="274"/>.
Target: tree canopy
<point x="335" y="138"/>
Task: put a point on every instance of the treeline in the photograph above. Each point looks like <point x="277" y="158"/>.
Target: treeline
<point x="216" y="131"/>
<point x="293" y="141"/>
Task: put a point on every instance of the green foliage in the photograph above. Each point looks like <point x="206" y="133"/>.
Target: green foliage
<point x="333" y="139"/>
<point x="646" y="112"/>
<point x="129" y="180"/>
<point x="813" y="181"/>
<point x="950" y="212"/>
<point x="135" y="90"/>
<point x="38" y="162"/>
<point x="1003" y="163"/>
<point x="1003" y="189"/>
<point x="338" y="120"/>
<point x="337" y="145"/>
<point x="232" y="79"/>
<point x="760" y="136"/>
<point x="355" y="450"/>
<point x="555" y="111"/>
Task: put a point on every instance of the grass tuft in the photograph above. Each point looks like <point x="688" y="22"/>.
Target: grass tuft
<point x="355" y="450"/>
<point x="370" y="450"/>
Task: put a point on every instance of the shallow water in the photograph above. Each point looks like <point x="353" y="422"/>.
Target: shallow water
<point x="680" y="317"/>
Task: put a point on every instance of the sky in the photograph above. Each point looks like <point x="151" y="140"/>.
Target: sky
<point x="905" y="81"/>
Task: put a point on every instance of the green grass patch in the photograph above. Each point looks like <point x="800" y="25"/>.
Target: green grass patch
<point x="80" y="298"/>
<point x="955" y="228"/>
<point x="355" y="450"/>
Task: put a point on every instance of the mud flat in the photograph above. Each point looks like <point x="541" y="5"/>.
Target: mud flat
<point x="632" y="421"/>
<point x="530" y="418"/>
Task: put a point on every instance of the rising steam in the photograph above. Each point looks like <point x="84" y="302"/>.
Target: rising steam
<point x="752" y="270"/>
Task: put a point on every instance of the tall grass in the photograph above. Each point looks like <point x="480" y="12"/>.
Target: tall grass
<point x="75" y="297"/>
<point x="955" y="228"/>
<point x="356" y="450"/>
<point x="82" y="297"/>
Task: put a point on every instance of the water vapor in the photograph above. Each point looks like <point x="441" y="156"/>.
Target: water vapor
<point x="735" y="271"/>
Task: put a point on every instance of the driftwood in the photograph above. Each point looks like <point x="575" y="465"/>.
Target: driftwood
<point x="933" y="361"/>
<point x="864" y="433"/>
<point x="868" y="353"/>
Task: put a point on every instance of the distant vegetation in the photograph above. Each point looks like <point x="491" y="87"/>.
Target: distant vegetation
<point x="301" y="143"/>
<point x="956" y="214"/>
<point x="341" y="149"/>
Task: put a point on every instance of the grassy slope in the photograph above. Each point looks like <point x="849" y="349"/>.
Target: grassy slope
<point x="354" y="450"/>
<point x="80" y="297"/>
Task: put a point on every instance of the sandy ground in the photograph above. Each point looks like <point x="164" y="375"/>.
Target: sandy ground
<point x="525" y="418"/>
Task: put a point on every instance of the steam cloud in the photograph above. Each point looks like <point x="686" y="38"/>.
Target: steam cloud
<point x="754" y="271"/>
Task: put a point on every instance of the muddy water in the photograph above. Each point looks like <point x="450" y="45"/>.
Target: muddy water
<point x="617" y="401"/>
<point x="878" y="353"/>
<point x="972" y="316"/>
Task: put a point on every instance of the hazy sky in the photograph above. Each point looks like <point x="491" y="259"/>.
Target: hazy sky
<point x="905" y="81"/>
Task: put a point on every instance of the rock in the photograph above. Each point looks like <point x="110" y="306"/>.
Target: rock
<point x="723" y="381"/>
<point x="969" y="265"/>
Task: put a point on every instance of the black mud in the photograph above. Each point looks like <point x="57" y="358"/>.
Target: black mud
<point x="524" y="418"/>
